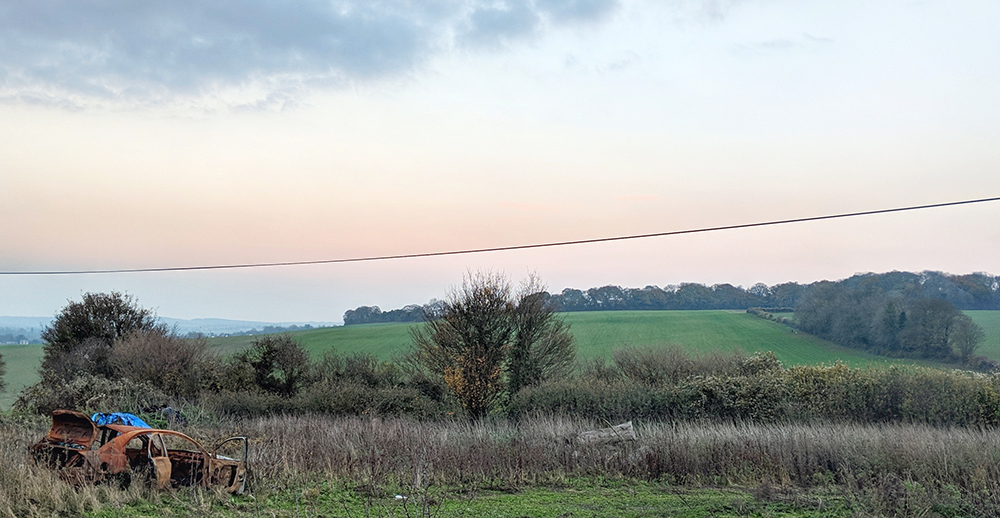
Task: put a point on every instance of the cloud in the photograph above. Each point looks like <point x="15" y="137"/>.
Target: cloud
<point x="576" y="10"/>
<point x="244" y="52"/>
<point x="494" y="25"/>
<point x="630" y="58"/>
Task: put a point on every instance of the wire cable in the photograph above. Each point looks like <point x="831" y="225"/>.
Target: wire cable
<point x="503" y="248"/>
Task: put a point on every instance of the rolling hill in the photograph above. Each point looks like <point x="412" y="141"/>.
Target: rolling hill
<point x="599" y="332"/>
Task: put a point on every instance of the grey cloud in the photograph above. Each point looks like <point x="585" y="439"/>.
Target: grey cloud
<point x="495" y="24"/>
<point x="142" y="49"/>
<point x="492" y="24"/>
<point x="576" y="10"/>
<point x="143" y="53"/>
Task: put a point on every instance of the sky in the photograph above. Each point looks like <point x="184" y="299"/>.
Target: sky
<point x="204" y="132"/>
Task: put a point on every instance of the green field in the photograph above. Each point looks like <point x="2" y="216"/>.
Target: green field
<point x="22" y="370"/>
<point x="990" y="322"/>
<point x="382" y="340"/>
<point x="614" y="499"/>
<point x="597" y="333"/>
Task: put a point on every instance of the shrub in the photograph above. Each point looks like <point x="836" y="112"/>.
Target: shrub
<point x="246" y="403"/>
<point x="177" y="366"/>
<point x="670" y="364"/>
<point x="758" y="388"/>
<point x="278" y="364"/>
<point x="487" y="341"/>
<point x="90" y="393"/>
<point x="360" y="368"/>
<point x="760" y="396"/>
<point x="80" y="338"/>
<point x="353" y="399"/>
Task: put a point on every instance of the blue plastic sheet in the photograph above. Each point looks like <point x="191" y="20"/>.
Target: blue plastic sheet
<point x="119" y="418"/>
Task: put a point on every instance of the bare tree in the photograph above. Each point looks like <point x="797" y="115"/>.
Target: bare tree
<point x="467" y="345"/>
<point x="543" y="346"/>
<point x="173" y="364"/>
<point x="965" y="336"/>
<point x="486" y="340"/>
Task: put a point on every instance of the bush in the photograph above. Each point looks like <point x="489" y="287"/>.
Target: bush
<point x="278" y="366"/>
<point x="80" y="338"/>
<point x="670" y="364"/>
<point x="760" y="396"/>
<point x="758" y="388"/>
<point x="353" y="399"/>
<point x="488" y="342"/>
<point x="360" y="368"/>
<point x="89" y="393"/>
<point x="611" y="402"/>
<point x="246" y="403"/>
<point x="178" y="366"/>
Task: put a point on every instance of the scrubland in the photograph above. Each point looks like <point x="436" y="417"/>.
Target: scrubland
<point x="312" y="465"/>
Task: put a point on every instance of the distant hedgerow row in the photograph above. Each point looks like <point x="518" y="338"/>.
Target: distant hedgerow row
<point x="655" y="384"/>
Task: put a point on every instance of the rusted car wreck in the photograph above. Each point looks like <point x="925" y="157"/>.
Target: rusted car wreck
<point x="86" y="452"/>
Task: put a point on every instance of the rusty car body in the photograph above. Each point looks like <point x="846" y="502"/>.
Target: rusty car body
<point x="87" y="452"/>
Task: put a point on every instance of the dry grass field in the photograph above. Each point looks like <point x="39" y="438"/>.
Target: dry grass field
<point x="328" y="466"/>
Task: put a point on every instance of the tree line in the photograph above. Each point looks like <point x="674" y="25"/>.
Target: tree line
<point x="14" y="335"/>
<point x="900" y="314"/>
<point x="972" y="291"/>
<point x="408" y="313"/>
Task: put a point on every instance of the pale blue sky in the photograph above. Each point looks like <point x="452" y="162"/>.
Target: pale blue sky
<point x="232" y="132"/>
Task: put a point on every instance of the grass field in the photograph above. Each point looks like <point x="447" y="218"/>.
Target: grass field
<point x="990" y="322"/>
<point x="22" y="370"/>
<point x="597" y="333"/>
<point x="382" y="340"/>
<point x="595" y="500"/>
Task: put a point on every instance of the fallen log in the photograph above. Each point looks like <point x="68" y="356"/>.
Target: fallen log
<point x="615" y="434"/>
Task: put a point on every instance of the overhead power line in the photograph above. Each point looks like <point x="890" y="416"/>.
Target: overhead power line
<point x="504" y="248"/>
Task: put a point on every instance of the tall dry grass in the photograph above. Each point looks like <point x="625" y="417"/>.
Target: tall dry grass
<point x="539" y="450"/>
<point x="887" y="469"/>
<point x="30" y="491"/>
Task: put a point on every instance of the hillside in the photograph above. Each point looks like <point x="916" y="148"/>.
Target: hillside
<point x="598" y="332"/>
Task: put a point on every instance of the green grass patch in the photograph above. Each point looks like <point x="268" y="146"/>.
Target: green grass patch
<point x="22" y="370"/>
<point x="620" y="500"/>
<point x="990" y="322"/>
<point x="597" y="333"/>
<point x="698" y="332"/>
<point x="382" y="340"/>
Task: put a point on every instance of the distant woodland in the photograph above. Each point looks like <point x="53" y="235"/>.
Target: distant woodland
<point x="972" y="291"/>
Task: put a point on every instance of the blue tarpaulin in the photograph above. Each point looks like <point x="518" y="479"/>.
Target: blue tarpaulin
<point x="118" y="418"/>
